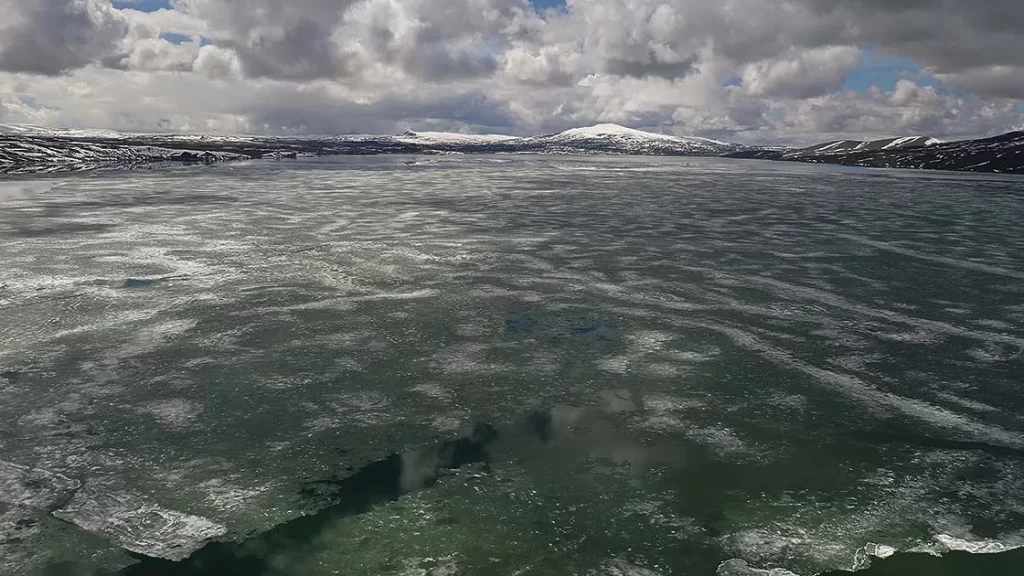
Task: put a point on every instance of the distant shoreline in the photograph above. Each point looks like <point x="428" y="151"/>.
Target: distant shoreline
<point x="46" y="152"/>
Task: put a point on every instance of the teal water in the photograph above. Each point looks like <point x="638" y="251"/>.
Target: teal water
<point x="510" y="365"/>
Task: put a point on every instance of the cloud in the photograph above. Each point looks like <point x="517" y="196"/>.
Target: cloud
<point x="543" y="66"/>
<point x="908" y="109"/>
<point x="166" y="20"/>
<point x="999" y="81"/>
<point x="747" y="70"/>
<point x="803" y="74"/>
<point x="294" y="42"/>
<point x="217" y="63"/>
<point x="949" y="34"/>
<point x="635" y="38"/>
<point x="54" y="36"/>
<point x="155" y="54"/>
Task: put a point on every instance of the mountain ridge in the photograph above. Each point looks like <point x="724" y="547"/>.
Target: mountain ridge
<point x="30" y="149"/>
<point x="1002" y="154"/>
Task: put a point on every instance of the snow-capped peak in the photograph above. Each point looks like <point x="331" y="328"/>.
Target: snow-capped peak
<point x="605" y="130"/>
<point x="616" y="131"/>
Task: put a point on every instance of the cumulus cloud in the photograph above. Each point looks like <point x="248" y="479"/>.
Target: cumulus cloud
<point x="217" y="63"/>
<point x="909" y="108"/>
<point x="54" y="36"/>
<point x="155" y="54"/>
<point x="557" y="65"/>
<point x="747" y="70"/>
<point x="637" y="39"/>
<point x="296" y="42"/>
<point x="166" y="20"/>
<point x="802" y="74"/>
<point x="1000" y="81"/>
<point x="950" y="35"/>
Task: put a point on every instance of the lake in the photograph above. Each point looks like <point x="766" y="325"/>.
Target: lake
<point x="515" y="365"/>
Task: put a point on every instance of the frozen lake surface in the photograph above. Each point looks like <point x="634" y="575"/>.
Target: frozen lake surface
<point x="508" y="365"/>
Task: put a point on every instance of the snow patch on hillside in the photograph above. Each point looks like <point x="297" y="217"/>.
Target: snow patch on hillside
<point x="453" y="138"/>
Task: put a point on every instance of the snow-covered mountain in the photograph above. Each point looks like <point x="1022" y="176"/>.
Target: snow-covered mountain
<point x="602" y="138"/>
<point x="40" y="132"/>
<point x="851" y="146"/>
<point x="631" y="137"/>
<point x="612" y="138"/>
<point x="29" y="149"/>
<point x="1003" y="154"/>
<point x="612" y="131"/>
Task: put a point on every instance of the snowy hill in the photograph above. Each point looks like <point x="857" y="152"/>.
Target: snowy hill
<point x="613" y="138"/>
<point x="38" y="131"/>
<point x="602" y="138"/>
<point x="452" y="138"/>
<point x="1003" y="154"/>
<point x="36" y="155"/>
<point x="30" y="149"/>
<point x="614" y="131"/>
<point x="849" y="146"/>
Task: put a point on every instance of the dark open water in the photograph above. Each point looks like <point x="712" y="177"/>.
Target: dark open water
<point x="511" y="365"/>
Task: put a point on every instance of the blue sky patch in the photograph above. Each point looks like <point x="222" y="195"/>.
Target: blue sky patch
<point x="143" y="5"/>
<point x="541" y="5"/>
<point x="734" y="81"/>
<point x="884" y="72"/>
<point x="154" y="5"/>
<point x="876" y="70"/>
<point x="175" y="38"/>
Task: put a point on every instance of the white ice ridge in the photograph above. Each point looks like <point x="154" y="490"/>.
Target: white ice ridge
<point x="138" y="526"/>
<point x="26" y="492"/>
<point x="950" y="543"/>
<point x="737" y="567"/>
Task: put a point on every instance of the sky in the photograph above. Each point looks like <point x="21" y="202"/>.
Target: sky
<point x="748" y="71"/>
